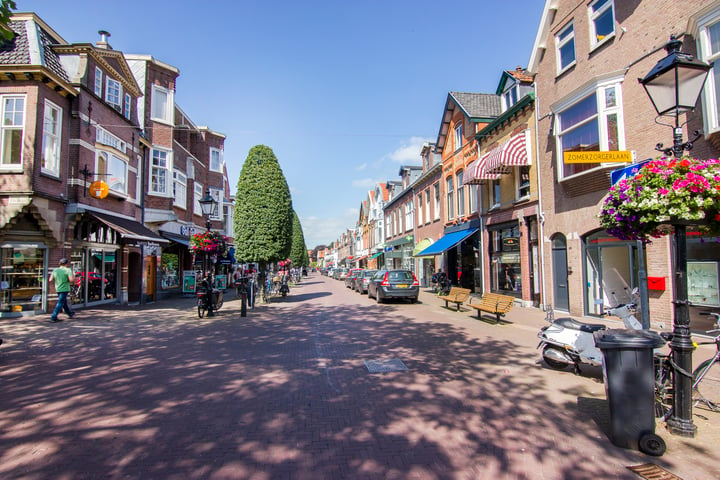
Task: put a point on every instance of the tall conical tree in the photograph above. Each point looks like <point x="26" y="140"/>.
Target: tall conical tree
<point x="298" y="250"/>
<point x="263" y="212"/>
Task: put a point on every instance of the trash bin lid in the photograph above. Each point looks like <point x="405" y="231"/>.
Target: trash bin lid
<point x="630" y="339"/>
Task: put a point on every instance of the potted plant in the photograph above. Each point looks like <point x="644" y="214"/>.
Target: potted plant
<point x="664" y="192"/>
<point x="210" y="242"/>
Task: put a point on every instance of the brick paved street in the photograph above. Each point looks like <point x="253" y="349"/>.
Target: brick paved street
<point x="284" y="393"/>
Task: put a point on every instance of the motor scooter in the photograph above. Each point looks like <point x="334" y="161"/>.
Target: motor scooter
<point x="567" y="341"/>
<point x="209" y="300"/>
<point x="284" y="287"/>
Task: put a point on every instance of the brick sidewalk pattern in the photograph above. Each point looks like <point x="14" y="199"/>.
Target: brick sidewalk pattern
<point x="154" y="392"/>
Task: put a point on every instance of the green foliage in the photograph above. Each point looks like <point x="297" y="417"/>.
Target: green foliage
<point x="263" y="209"/>
<point x="6" y="9"/>
<point x="298" y="250"/>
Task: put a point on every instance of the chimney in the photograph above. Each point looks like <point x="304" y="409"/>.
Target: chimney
<point x="103" y="43"/>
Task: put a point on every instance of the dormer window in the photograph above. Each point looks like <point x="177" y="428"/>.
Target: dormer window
<point x="510" y="96"/>
<point x="113" y="93"/>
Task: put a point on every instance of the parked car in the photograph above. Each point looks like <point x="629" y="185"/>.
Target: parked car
<point x="340" y="273"/>
<point x="362" y="280"/>
<point x="386" y="284"/>
<point x="350" y="279"/>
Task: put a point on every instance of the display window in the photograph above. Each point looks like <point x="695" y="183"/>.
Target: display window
<point x="505" y="266"/>
<point x="22" y="279"/>
<point x="95" y="275"/>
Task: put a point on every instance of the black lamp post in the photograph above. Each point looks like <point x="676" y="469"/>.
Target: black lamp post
<point x="674" y="85"/>
<point x="209" y="209"/>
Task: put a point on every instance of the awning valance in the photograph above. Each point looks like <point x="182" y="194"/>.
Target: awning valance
<point x="476" y="173"/>
<point x="446" y="242"/>
<point x="512" y="153"/>
<point x="128" y="229"/>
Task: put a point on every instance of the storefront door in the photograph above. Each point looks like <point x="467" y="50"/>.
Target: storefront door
<point x="560" y="273"/>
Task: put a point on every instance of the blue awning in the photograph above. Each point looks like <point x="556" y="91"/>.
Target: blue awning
<point x="446" y="242"/>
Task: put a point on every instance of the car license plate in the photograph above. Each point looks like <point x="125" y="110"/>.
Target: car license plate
<point x="402" y="285"/>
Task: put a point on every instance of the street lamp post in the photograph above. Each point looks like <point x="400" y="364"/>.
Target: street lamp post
<point x="674" y="85"/>
<point x="209" y="208"/>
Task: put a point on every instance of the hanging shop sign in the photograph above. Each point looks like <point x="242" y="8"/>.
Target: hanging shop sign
<point x="99" y="189"/>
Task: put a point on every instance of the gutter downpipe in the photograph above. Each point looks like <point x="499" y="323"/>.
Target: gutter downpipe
<point x="541" y="214"/>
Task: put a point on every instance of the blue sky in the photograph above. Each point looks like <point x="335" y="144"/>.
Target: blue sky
<point x="344" y="92"/>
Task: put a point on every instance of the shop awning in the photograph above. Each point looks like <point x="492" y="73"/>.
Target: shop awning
<point x="181" y="239"/>
<point x="446" y="242"/>
<point x="359" y="258"/>
<point x="376" y="255"/>
<point x="512" y="153"/>
<point x="476" y="173"/>
<point x="128" y="229"/>
<point x="422" y="245"/>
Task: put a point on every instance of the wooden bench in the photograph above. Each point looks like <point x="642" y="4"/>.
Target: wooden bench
<point x="493" y="303"/>
<point x="457" y="295"/>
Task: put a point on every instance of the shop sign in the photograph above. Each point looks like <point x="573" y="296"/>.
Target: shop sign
<point x="187" y="230"/>
<point x="511" y="243"/>
<point x="622" y="156"/>
<point x="510" y="258"/>
<point x="99" y="189"/>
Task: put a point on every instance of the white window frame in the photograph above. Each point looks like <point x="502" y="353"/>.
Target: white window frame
<point x="711" y="92"/>
<point x="594" y="40"/>
<point x="179" y="189"/>
<point x="460" y="193"/>
<point x="409" y="215"/>
<point x="98" y="82"/>
<point x="16" y="125"/>
<point x="160" y="169"/>
<point x="168" y="105"/>
<point x="51" y="141"/>
<point x="561" y="42"/>
<point x="113" y="93"/>
<point x="216" y="160"/>
<point x="436" y="194"/>
<point x="495" y="194"/>
<point x="112" y="160"/>
<point x="128" y="106"/>
<point x="420" y="209"/>
<point x="519" y="186"/>
<point x="218" y="195"/>
<point x="450" y="192"/>
<point x="510" y="96"/>
<point x="473" y="196"/>
<point x="104" y="137"/>
<point x="598" y="88"/>
<point x="458" y="135"/>
<point x="197" y="195"/>
<point x="427" y="205"/>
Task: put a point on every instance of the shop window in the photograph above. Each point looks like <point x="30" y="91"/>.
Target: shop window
<point x="21" y="279"/>
<point x="505" y="267"/>
<point x="170" y="270"/>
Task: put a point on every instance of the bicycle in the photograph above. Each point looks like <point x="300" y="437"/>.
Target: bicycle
<point x="703" y="377"/>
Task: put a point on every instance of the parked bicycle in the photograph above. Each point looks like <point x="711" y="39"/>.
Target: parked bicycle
<point x="706" y="377"/>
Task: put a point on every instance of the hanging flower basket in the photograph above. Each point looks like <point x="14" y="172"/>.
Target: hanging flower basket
<point x="665" y="192"/>
<point x="211" y="242"/>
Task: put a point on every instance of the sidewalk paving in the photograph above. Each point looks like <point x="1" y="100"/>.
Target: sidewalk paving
<point x="152" y="391"/>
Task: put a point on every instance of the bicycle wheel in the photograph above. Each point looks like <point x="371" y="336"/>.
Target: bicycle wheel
<point x="706" y="384"/>
<point x="201" y="311"/>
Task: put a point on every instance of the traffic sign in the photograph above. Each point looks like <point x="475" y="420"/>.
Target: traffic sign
<point x="625" y="172"/>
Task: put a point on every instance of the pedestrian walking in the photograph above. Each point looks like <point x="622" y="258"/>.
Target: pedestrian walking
<point x="63" y="277"/>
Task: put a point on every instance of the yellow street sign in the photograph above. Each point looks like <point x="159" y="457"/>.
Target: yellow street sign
<point x="620" y="156"/>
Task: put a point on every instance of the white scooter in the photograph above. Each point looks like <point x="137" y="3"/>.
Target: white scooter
<point x="567" y="341"/>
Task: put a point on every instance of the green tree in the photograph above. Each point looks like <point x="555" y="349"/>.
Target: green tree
<point x="6" y="9"/>
<point x="263" y="211"/>
<point x="298" y="250"/>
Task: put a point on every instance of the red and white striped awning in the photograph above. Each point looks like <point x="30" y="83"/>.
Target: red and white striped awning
<point x="512" y="153"/>
<point x="476" y="173"/>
